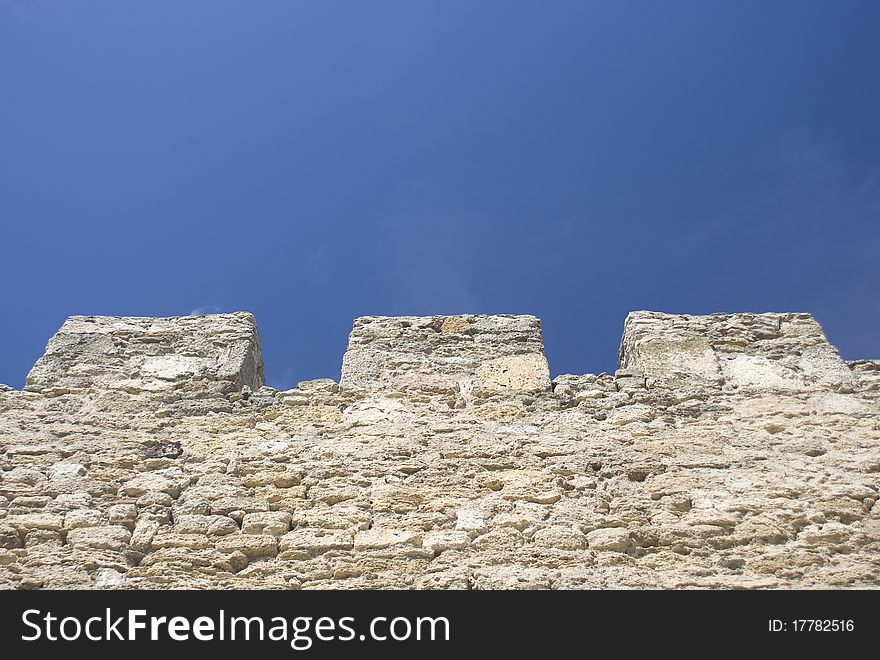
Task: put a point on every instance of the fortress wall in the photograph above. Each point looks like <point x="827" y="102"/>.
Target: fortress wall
<point x="446" y="353"/>
<point x="136" y="354"/>
<point x="762" y="351"/>
<point x="727" y="451"/>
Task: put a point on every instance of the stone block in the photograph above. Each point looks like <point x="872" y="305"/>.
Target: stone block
<point x="785" y="352"/>
<point x="135" y="355"/>
<point x="500" y="353"/>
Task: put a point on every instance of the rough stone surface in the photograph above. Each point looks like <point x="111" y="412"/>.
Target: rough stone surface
<point x="183" y="355"/>
<point x="727" y="451"/>
<point x="759" y="351"/>
<point x="446" y="353"/>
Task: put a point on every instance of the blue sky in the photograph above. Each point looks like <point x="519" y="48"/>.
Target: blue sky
<point x="316" y="161"/>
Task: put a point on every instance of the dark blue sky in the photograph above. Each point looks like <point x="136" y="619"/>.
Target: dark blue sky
<point x="316" y="161"/>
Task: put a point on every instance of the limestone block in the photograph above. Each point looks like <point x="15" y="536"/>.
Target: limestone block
<point x="204" y="524"/>
<point x="123" y="514"/>
<point x="9" y="537"/>
<point x="446" y="353"/>
<point x="30" y="521"/>
<point x="110" y="537"/>
<point x="309" y="542"/>
<point x="499" y="540"/>
<point x="221" y="526"/>
<point x="150" y="482"/>
<point x="379" y="539"/>
<point x="448" y="539"/>
<point x="25" y="475"/>
<point x="175" y="540"/>
<point x="561" y="538"/>
<point x="275" y="523"/>
<point x="42" y="537"/>
<point x="526" y="373"/>
<point x="193" y="523"/>
<point x="65" y="470"/>
<point x="471" y="522"/>
<point x="143" y="535"/>
<point x="612" y="539"/>
<point x="143" y="355"/>
<point x="107" y="578"/>
<point x="251" y="545"/>
<point x="787" y="352"/>
<point x="84" y="518"/>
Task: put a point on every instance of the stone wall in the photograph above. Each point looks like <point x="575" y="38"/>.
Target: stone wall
<point x="446" y="354"/>
<point x="728" y="451"/>
<point x="220" y="352"/>
<point x="762" y="351"/>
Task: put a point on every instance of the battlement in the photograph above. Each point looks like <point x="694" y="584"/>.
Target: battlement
<point x="137" y="354"/>
<point x="727" y="451"/>
<point x="441" y="353"/>
<point x="456" y="354"/>
<point x="764" y="351"/>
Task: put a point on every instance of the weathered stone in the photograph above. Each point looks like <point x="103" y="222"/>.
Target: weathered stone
<point x="176" y="540"/>
<point x="471" y="521"/>
<point x="437" y="542"/>
<point x="305" y="543"/>
<point x="134" y="355"/>
<point x="142" y="537"/>
<point x="42" y="537"/>
<point x="62" y="470"/>
<point x="763" y="351"/>
<point x="150" y="482"/>
<point x="251" y="545"/>
<point x="452" y="353"/>
<point x="380" y="539"/>
<point x="9" y="537"/>
<point x="221" y="526"/>
<point x="31" y="521"/>
<point x="611" y="539"/>
<point x="108" y="578"/>
<point x="275" y="523"/>
<point x="84" y="518"/>
<point x="499" y="541"/>
<point x="193" y="523"/>
<point x="123" y="514"/>
<point x="727" y="451"/>
<point x="561" y="538"/>
<point x="99" y="538"/>
<point x="25" y="475"/>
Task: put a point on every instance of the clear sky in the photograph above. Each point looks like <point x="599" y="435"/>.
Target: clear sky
<point x="315" y="161"/>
